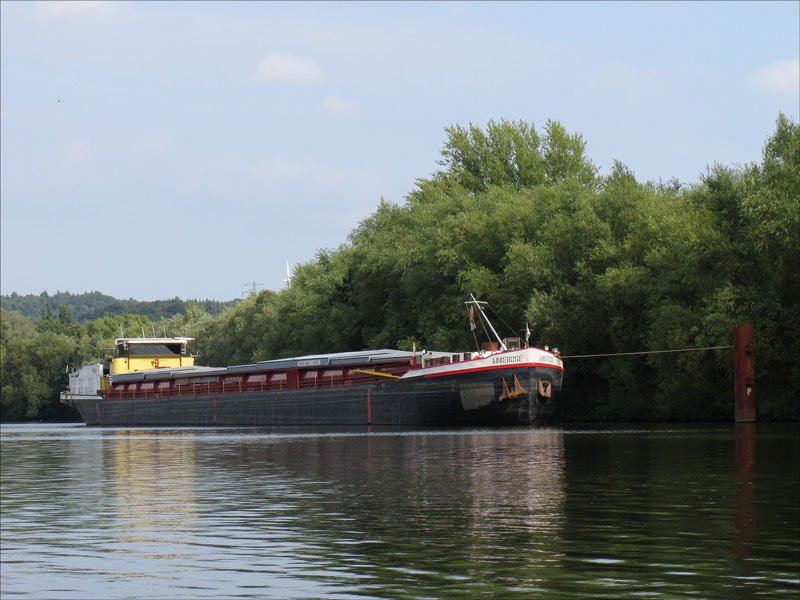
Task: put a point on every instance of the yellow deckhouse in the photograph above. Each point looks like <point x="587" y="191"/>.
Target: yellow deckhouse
<point x="139" y="354"/>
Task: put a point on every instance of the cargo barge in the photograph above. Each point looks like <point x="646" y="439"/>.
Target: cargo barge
<point x="154" y="382"/>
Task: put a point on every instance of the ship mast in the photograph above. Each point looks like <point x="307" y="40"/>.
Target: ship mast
<point x="479" y="305"/>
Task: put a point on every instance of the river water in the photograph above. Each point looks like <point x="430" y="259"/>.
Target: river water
<point x="556" y="513"/>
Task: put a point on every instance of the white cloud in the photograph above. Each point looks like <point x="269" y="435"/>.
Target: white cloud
<point x="276" y="169"/>
<point x="76" y="152"/>
<point x="338" y="106"/>
<point x="73" y="7"/>
<point x="779" y="77"/>
<point x="288" y="67"/>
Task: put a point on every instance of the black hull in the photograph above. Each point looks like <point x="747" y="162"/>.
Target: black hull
<point x="464" y="399"/>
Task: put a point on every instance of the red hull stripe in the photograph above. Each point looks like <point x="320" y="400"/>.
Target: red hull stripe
<point x="492" y="368"/>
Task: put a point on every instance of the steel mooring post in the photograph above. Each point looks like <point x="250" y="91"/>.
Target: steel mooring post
<point x="744" y="373"/>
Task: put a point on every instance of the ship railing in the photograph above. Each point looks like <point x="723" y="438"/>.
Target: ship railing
<point x="81" y="391"/>
<point x="229" y="387"/>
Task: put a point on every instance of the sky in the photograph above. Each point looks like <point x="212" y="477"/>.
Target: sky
<point x="151" y="150"/>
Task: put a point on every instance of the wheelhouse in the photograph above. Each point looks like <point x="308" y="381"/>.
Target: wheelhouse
<point x="139" y="354"/>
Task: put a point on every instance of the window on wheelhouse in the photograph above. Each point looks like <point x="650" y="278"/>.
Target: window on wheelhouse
<point x="133" y="349"/>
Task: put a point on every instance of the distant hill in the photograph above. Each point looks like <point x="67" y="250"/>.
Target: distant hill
<point x="94" y="305"/>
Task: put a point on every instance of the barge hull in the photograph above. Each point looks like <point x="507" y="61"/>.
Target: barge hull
<point x="502" y="396"/>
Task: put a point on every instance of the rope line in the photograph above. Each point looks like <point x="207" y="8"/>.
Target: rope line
<point x="647" y="352"/>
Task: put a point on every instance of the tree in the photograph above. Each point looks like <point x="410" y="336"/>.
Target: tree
<point x="33" y="373"/>
<point x="512" y="153"/>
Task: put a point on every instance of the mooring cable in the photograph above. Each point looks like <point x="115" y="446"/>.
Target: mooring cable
<point x="647" y="352"/>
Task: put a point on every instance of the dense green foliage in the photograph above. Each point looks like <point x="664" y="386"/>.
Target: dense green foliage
<point x="34" y="357"/>
<point x="94" y="305"/>
<point x="595" y="264"/>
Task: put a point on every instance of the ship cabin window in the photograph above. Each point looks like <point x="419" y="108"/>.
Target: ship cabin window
<point x="155" y="350"/>
<point x="257" y="378"/>
<point x="132" y="349"/>
<point x="310" y="375"/>
<point x="147" y="385"/>
<point x="163" y="385"/>
<point x="278" y="377"/>
<point x="513" y="343"/>
<point x="234" y="379"/>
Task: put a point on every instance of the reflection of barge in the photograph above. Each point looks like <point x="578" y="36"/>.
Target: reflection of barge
<point x="154" y="382"/>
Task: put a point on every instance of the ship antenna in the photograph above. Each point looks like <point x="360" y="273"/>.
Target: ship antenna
<point x="479" y="305"/>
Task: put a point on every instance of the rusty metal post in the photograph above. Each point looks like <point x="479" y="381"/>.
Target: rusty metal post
<point x="744" y="373"/>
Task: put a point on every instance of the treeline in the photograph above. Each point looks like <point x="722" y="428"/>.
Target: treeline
<point x="94" y="305"/>
<point x="522" y="219"/>
<point x="35" y="357"/>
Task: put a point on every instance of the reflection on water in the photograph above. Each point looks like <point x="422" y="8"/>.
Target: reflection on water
<point x="153" y="483"/>
<point x="192" y="513"/>
<point x="746" y="524"/>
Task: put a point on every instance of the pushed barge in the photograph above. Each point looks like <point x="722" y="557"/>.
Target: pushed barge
<point x="153" y="381"/>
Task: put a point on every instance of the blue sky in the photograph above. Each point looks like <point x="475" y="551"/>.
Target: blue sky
<point x="152" y="150"/>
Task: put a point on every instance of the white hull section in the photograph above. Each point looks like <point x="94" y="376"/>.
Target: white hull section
<point x="525" y="357"/>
